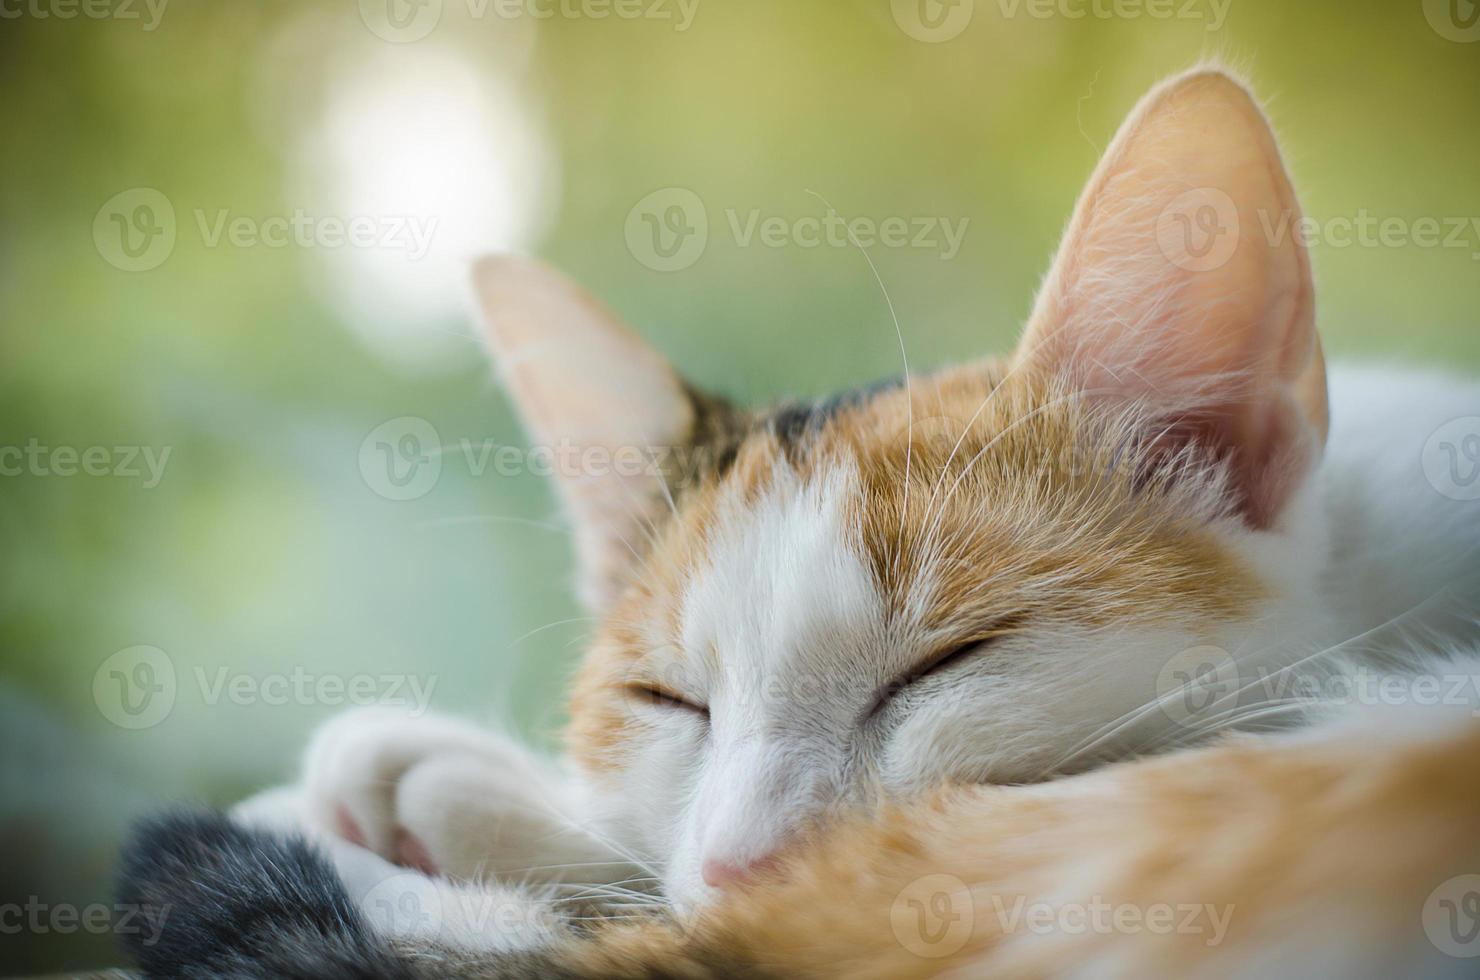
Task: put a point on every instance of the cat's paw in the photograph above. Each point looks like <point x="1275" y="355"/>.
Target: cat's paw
<point x="445" y="797"/>
<point x="470" y="917"/>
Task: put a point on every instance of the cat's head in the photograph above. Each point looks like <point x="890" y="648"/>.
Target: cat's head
<point x="969" y="575"/>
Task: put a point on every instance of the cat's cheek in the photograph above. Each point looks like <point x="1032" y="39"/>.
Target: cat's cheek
<point x="651" y="792"/>
<point x="975" y="737"/>
<point x="913" y="757"/>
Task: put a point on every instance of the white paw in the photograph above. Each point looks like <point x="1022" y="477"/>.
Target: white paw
<point x="477" y="918"/>
<point x="445" y="797"/>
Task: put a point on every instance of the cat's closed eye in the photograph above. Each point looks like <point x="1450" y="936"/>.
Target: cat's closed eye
<point x="942" y="661"/>
<point x="645" y="692"/>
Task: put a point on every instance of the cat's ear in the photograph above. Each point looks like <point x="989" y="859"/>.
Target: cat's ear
<point x="1182" y="283"/>
<point x="603" y="404"/>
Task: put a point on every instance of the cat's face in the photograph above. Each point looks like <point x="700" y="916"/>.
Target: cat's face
<point x="846" y="613"/>
<point x="971" y="576"/>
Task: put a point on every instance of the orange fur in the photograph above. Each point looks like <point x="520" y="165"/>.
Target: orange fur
<point x="1319" y="845"/>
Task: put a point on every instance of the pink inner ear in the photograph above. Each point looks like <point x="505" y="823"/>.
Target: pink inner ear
<point x="1268" y="454"/>
<point x="1167" y="291"/>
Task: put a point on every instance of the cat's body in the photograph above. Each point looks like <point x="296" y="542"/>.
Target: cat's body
<point x="1124" y="539"/>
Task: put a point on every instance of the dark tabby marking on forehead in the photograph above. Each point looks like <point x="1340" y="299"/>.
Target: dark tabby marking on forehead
<point x="719" y="429"/>
<point x="793" y="423"/>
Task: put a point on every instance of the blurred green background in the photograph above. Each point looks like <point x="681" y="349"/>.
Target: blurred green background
<point x="268" y="552"/>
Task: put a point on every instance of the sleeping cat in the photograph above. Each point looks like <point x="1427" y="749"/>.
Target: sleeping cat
<point x="1124" y="538"/>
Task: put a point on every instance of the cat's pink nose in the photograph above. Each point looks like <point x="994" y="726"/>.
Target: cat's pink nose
<point x="723" y="874"/>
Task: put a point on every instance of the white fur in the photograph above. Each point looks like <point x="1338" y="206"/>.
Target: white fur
<point x="785" y="631"/>
<point x="1397" y="543"/>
